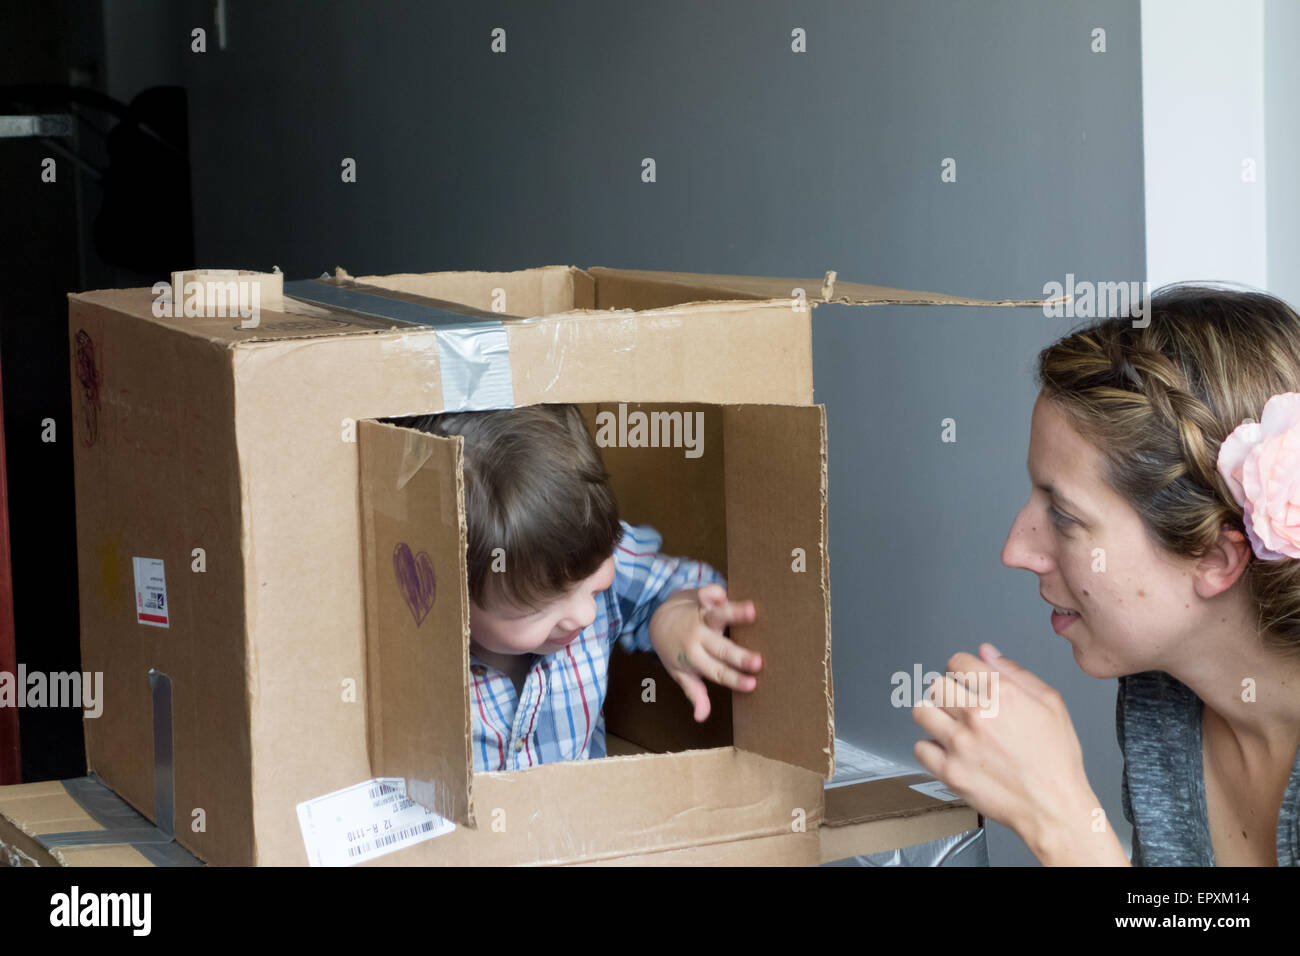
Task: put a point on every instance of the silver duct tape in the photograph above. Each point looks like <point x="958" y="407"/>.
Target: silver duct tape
<point x="473" y="353"/>
<point x="164" y="771"/>
<point x="121" y="823"/>
<point x="969" y="848"/>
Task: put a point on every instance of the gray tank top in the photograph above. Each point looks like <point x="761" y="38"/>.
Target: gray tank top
<point x="1158" y="724"/>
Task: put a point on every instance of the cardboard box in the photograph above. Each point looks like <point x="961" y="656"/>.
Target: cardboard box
<point x="31" y="814"/>
<point x="221" y="453"/>
<point x="881" y="815"/>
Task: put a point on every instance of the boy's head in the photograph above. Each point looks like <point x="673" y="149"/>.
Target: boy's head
<point x="543" y="524"/>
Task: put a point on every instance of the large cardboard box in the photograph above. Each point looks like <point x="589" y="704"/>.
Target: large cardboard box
<point x="78" y="822"/>
<point x="864" y="818"/>
<point x="220" y="541"/>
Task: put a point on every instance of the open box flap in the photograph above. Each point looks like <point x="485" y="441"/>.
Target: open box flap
<point x="775" y="487"/>
<point x="417" y="614"/>
<point x="828" y="288"/>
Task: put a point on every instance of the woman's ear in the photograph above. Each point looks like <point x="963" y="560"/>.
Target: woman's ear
<point x="1223" y="564"/>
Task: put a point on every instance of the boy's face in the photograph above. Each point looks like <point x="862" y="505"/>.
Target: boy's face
<point x="508" y="630"/>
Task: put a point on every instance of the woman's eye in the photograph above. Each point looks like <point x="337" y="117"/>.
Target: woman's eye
<point x="1057" y="517"/>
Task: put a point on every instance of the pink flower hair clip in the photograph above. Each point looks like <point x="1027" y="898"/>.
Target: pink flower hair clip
<point x="1260" y="461"/>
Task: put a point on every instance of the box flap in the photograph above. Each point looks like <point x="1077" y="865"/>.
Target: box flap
<point x="543" y="290"/>
<point x="776" y="556"/>
<point x="417" y="614"/>
<point x="882" y="799"/>
<point x="827" y="288"/>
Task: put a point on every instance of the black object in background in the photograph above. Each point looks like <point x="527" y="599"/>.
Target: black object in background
<point x="123" y="180"/>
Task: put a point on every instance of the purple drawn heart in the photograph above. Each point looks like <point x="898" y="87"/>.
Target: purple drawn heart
<point x="415" y="580"/>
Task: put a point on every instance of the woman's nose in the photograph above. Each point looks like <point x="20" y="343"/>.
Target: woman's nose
<point x="1024" y="546"/>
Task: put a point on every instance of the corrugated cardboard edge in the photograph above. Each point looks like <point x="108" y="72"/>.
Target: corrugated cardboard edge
<point x="729" y="288"/>
<point x="826" y="594"/>
<point x="462" y="528"/>
<point x="248" y="555"/>
<point x="829" y="289"/>
<point x="834" y="292"/>
<point x="30" y="850"/>
<point x="781" y="849"/>
<point x="890" y="799"/>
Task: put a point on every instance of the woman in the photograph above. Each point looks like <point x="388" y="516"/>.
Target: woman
<point x="1147" y="468"/>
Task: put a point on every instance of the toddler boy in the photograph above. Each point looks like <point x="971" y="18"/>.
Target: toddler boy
<point x="568" y="581"/>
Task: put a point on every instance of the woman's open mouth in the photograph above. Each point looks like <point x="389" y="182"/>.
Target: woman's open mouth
<point x="1062" y="618"/>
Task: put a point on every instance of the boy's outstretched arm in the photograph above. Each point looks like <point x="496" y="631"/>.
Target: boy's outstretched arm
<point x="686" y="633"/>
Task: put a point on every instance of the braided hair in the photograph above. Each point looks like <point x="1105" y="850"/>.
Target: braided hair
<point x="1157" y="401"/>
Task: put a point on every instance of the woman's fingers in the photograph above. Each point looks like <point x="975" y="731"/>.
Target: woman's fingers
<point x="935" y="721"/>
<point x="1025" y="678"/>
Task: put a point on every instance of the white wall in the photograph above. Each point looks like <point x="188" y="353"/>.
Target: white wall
<point x="1203" y="115"/>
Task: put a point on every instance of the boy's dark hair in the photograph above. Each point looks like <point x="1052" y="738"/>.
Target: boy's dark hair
<point x="535" y="486"/>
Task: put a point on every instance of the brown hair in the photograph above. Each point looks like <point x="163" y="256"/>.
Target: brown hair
<point x="1157" y="402"/>
<point x="536" y="487"/>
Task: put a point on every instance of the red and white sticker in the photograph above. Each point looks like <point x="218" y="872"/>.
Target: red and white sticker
<point x="150" y="592"/>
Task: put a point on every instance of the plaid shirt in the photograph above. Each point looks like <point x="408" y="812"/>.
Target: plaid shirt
<point x="559" y="714"/>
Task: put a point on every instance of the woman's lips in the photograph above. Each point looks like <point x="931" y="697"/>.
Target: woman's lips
<point x="1062" y="622"/>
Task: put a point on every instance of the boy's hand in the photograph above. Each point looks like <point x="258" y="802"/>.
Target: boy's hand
<point x="686" y="632"/>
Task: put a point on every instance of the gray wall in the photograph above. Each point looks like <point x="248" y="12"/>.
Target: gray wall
<point x="769" y="162"/>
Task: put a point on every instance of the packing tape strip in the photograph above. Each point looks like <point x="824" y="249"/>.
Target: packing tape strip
<point x="121" y="823"/>
<point x="473" y="353"/>
<point x="164" y="771"/>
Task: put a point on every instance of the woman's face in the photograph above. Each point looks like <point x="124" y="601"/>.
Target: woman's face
<point x="1136" y="602"/>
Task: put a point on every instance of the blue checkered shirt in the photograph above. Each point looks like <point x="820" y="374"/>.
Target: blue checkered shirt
<point x="558" y="714"/>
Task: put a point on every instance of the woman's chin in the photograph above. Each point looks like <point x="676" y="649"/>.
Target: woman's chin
<point x="1088" y="664"/>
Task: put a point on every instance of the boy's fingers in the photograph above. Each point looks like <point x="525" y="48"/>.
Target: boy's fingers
<point x="719" y="671"/>
<point x="718" y="616"/>
<point x="712" y="594"/>
<point x="695" y="692"/>
<point x="732" y="653"/>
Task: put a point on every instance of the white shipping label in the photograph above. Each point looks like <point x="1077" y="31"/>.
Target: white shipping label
<point x="362" y="822"/>
<point x="150" y="592"/>
<point x="855" y="765"/>
<point x="936" y="789"/>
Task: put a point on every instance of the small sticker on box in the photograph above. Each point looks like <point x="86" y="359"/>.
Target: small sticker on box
<point x="150" y="592"/>
<point x="934" y="788"/>
<point x="361" y="822"/>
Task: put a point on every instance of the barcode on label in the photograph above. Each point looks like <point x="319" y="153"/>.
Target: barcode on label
<point x="390" y="839"/>
<point x="367" y="820"/>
